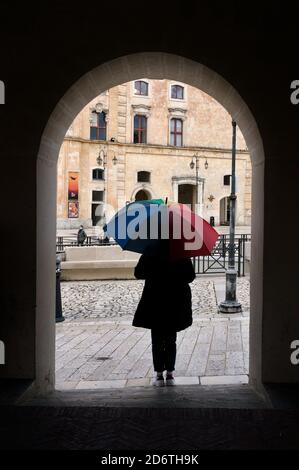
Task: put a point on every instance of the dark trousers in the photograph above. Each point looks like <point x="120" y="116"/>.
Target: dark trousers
<point x="164" y="350"/>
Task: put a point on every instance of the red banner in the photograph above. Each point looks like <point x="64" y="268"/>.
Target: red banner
<point x="73" y="186"/>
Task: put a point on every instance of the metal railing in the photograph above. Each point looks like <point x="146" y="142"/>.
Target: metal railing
<point x="217" y="261"/>
<point x="69" y="241"/>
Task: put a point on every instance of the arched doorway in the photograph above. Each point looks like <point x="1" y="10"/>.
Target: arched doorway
<point x="132" y="67"/>
<point x="224" y="211"/>
<point x="142" y="195"/>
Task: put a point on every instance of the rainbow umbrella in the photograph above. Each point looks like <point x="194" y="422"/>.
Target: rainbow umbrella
<point x="190" y="234"/>
<point x="141" y="225"/>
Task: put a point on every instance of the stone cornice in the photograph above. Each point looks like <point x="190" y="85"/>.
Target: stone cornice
<point x="98" y="108"/>
<point x="166" y="147"/>
<point x="187" y="178"/>
<point x="176" y="112"/>
<point x="141" y="109"/>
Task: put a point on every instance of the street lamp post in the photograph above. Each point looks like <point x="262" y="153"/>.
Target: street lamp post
<point x="196" y="176"/>
<point x="102" y="161"/>
<point x="231" y="304"/>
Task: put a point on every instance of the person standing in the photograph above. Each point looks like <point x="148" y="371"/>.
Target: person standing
<point x="165" y="306"/>
<point x="81" y="236"/>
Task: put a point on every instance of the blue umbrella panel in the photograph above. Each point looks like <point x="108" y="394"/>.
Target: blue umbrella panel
<point x="139" y="225"/>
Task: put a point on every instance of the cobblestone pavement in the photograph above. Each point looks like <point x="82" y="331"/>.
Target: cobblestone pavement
<point x="113" y="299"/>
<point x="98" y="348"/>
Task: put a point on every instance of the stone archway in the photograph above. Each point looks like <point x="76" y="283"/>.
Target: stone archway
<point x="142" y="195"/>
<point x="142" y="191"/>
<point x="154" y="66"/>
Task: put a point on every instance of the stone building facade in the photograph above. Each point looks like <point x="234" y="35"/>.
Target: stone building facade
<point x="137" y="141"/>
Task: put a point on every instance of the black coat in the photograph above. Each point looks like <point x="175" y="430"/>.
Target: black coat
<point x="81" y="236"/>
<point x="166" y="298"/>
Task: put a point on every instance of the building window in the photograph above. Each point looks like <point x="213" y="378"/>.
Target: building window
<point x="226" y="180"/>
<point x="97" y="174"/>
<point x="141" y="88"/>
<point x="140" y="125"/>
<point x="176" y="132"/>
<point x="98" y="126"/>
<point x="98" y="196"/>
<point x="143" y="177"/>
<point x="177" y="92"/>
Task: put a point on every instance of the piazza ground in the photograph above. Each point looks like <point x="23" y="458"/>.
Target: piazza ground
<point x="97" y="346"/>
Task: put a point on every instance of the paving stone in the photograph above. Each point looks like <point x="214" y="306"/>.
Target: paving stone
<point x="74" y="341"/>
<point x="205" y="334"/>
<point x="186" y="380"/>
<point x="67" y="359"/>
<point x="219" y="338"/>
<point x="63" y="374"/>
<point x="224" y="380"/>
<point x="97" y="346"/>
<point x="199" y="359"/>
<point x="66" y="385"/>
<point x="143" y="382"/>
<point x="141" y="369"/>
<point x="234" y="338"/>
<point x="102" y="370"/>
<point x="234" y="363"/>
<point x="113" y="344"/>
<point x="182" y="363"/>
<point x="189" y="340"/>
<point x="92" y="384"/>
<point x="216" y="364"/>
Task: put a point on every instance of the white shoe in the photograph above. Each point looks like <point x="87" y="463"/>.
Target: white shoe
<point x="159" y="381"/>
<point x="170" y="380"/>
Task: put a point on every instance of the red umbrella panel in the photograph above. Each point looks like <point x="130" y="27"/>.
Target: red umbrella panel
<point x="190" y="235"/>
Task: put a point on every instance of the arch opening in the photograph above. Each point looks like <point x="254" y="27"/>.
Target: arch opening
<point x="142" y="195"/>
<point x="118" y="71"/>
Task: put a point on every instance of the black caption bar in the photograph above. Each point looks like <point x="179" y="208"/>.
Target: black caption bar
<point x="146" y="459"/>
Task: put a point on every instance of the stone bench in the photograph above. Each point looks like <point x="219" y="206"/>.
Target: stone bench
<point x="98" y="262"/>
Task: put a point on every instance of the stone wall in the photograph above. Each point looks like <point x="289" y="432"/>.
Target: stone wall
<point x="206" y="131"/>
